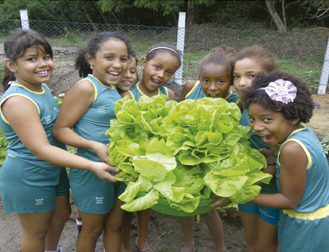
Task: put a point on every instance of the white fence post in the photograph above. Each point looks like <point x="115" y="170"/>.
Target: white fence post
<point x="324" y="73"/>
<point x="180" y="45"/>
<point x="24" y="19"/>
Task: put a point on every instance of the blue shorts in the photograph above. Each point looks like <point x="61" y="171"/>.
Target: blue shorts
<point x="90" y="193"/>
<point x="27" y="188"/>
<point x="270" y="215"/>
<point x="120" y="187"/>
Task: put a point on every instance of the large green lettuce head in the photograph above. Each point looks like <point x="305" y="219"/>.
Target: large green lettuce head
<point x="183" y="152"/>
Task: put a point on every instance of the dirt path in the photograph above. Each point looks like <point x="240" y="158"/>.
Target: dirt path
<point x="164" y="234"/>
<point x="320" y="121"/>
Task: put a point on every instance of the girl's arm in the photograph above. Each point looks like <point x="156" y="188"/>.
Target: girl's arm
<point x="293" y="162"/>
<point x="186" y="89"/>
<point x="75" y="104"/>
<point x="171" y="94"/>
<point x="24" y="119"/>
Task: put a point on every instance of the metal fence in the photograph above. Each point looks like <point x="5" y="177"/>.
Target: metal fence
<point x="304" y="49"/>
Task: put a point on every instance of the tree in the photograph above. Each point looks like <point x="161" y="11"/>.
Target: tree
<point x="38" y="9"/>
<point x="277" y="20"/>
<point x="321" y="7"/>
<point x="167" y="7"/>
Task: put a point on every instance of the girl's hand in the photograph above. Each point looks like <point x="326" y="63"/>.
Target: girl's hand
<point x="221" y="202"/>
<point x="102" y="151"/>
<point x="102" y="171"/>
<point x="269" y="155"/>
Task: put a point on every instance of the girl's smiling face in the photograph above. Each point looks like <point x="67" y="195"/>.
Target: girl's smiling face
<point x="129" y="78"/>
<point x="272" y="126"/>
<point x="110" y="62"/>
<point x="215" y="80"/>
<point x="244" y="73"/>
<point x="33" y="68"/>
<point x="157" y="71"/>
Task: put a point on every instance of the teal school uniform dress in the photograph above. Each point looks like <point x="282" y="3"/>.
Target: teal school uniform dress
<point x="196" y="92"/>
<point x="90" y="193"/>
<point x="27" y="183"/>
<point x="136" y="93"/>
<point x="305" y="228"/>
<point x="267" y="214"/>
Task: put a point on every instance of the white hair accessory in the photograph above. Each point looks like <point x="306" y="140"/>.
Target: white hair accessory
<point x="281" y="90"/>
<point x="162" y="47"/>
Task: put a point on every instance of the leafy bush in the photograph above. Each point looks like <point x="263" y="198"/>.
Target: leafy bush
<point x="3" y="147"/>
<point x="325" y="144"/>
<point x="58" y="101"/>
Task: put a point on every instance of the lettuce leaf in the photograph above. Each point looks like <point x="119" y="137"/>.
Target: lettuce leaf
<point x="183" y="152"/>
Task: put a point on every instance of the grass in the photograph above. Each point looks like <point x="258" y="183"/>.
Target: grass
<point x="2" y="67"/>
<point x="307" y="68"/>
<point x="311" y="75"/>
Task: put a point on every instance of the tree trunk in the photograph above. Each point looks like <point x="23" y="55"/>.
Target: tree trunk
<point x="115" y="17"/>
<point x="176" y="21"/>
<point x="92" y="22"/>
<point x="284" y="15"/>
<point x="100" y="12"/>
<point x="275" y="16"/>
<point x="190" y="13"/>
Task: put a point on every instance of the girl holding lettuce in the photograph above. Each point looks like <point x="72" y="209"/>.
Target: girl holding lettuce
<point x="215" y="80"/>
<point x="260" y="223"/>
<point x="279" y="104"/>
<point x="159" y="65"/>
<point x="82" y="122"/>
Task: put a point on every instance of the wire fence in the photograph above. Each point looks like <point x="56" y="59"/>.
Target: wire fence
<point x="303" y="50"/>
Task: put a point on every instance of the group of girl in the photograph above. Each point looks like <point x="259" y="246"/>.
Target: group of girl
<point x="33" y="178"/>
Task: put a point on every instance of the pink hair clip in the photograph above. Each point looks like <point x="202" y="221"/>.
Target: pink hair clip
<point x="281" y="90"/>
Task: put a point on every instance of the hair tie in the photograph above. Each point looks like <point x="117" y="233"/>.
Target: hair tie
<point x="281" y="90"/>
<point x="162" y="47"/>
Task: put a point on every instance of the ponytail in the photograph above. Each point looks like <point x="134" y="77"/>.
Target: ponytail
<point x="7" y="77"/>
<point x="81" y="64"/>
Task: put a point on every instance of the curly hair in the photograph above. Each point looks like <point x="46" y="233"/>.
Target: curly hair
<point x="259" y="54"/>
<point x="221" y="55"/>
<point x="302" y="106"/>
<point x="81" y="63"/>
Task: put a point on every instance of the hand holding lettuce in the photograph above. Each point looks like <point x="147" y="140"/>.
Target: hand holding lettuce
<point x="182" y="152"/>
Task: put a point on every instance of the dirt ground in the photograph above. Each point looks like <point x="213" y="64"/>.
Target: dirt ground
<point x="165" y="232"/>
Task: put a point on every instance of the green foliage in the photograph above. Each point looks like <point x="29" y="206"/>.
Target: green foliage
<point x="58" y="101"/>
<point x="39" y="9"/>
<point x="2" y="69"/>
<point x="230" y="211"/>
<point x="3" y="147"/>
<point x="325" y="144"/>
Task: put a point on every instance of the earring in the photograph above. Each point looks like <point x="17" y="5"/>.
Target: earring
<point x="143" y="68"/>
<point x="91" y="67"/>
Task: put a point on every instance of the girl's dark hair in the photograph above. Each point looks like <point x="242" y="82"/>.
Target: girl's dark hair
<point x="259" y="54"/>
<point x="94" y="44"/>
<point x="221" y="55"/>
<point x="163" y="47"/>
<point x="133" y="55"/>
<point x="16" y="44"/>
<point x="302" y="106"/>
